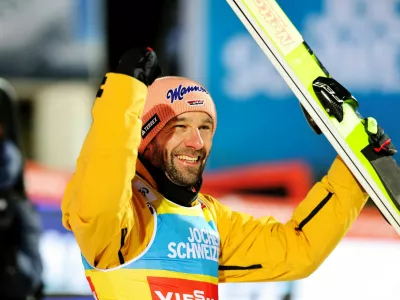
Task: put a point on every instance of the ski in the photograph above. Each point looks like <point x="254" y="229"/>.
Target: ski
<point x="332" y="108"/>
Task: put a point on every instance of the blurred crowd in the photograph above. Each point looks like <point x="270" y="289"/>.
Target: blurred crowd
<point x="20" y="260"/>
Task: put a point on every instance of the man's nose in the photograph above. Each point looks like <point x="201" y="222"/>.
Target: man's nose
<point x="194" y="140"/>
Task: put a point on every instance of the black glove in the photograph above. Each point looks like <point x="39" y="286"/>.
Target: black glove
<point x="142" y="65"/>
<point x="378" y="139"/>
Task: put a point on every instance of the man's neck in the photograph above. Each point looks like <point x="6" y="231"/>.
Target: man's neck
<point x="180" y="195"/>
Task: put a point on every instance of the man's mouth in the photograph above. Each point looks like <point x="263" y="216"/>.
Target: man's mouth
<point x="188" y="159"/>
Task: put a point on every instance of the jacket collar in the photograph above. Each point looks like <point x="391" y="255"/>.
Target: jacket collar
<point x="157" y="180"/>
<point x="145" y="174"/>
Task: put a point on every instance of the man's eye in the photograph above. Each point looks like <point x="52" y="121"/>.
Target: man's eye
<point x="205" y="127"/>
<point x="180" y="126"/>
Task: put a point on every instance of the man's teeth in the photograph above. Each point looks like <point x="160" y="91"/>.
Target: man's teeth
<point x="188" y="158"/>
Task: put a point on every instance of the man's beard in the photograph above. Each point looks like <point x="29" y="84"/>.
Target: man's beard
<point x="188" y="177"/>
<point x="183" y="176"/>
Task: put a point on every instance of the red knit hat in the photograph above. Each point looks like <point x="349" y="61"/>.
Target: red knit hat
<point x="169" y="97"/>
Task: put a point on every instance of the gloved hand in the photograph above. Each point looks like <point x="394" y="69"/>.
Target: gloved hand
<point x="378" y="139"/>
<point x="142" y="65"/>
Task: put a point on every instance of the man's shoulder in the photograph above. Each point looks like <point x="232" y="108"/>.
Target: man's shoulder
<point x="212" y="203"/>
<point x="207" y="198"/>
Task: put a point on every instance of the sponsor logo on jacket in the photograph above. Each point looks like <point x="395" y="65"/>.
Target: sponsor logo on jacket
<point x="181" y="289"/>
<point x="201" y="244"/>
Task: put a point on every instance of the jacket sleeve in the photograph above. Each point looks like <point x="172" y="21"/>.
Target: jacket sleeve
<point x="266" y="250"/>
<point x="97" y="203"/>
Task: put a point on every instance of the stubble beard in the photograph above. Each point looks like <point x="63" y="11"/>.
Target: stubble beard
<point x="188" y="176"/>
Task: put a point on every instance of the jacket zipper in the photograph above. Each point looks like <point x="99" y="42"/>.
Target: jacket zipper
<point x="314" y="212"/>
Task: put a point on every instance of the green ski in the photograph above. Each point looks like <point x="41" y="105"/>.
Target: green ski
<point x="333" y="109"/>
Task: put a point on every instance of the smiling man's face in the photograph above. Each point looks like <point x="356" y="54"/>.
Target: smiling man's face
<point x="182" y="147"/>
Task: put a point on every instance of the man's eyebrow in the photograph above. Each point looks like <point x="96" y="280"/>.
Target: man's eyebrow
<point x="208" y="120"/>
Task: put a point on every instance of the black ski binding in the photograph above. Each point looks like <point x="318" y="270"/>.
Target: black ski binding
<point x="332" y="95"/>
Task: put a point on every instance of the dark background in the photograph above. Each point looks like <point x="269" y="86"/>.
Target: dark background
<point x="140" y="24"/>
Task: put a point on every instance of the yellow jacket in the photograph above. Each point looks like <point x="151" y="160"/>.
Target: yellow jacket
<point x="109" y="221"/>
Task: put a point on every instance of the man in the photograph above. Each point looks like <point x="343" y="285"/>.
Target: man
<point x="145" y="231"/>
<point x="20" y="261"/>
